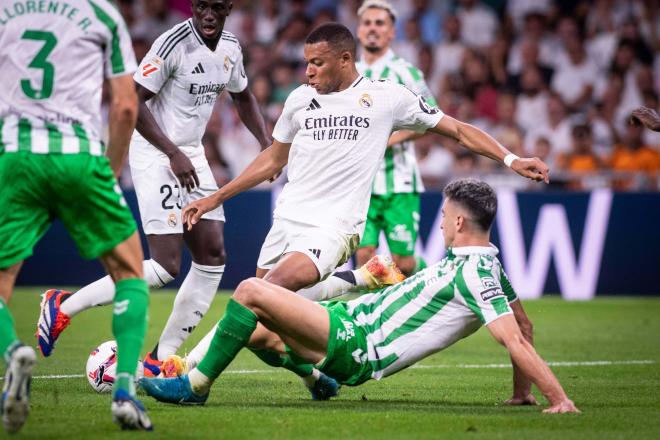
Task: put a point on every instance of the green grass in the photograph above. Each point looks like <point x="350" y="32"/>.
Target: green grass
<point x="440" y="402"/>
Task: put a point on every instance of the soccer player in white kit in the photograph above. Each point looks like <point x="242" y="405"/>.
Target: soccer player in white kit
<point x="178" y="82"/>
<point x="333" y="133"/>
<point x="382" y="333"/>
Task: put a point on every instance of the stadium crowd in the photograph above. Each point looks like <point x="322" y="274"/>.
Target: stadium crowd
<point x="553" y="78"/>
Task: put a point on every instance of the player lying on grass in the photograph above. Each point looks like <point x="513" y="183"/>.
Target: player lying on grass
<point x="382" y="333"/>
<point x="332" y="134"/>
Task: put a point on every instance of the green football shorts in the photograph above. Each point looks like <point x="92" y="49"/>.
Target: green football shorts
<point x="398" y="216"/>
<point x="346" y="360"/>
<point x="79" y="189"/>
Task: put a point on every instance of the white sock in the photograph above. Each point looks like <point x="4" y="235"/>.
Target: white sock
<point x="102" y="292"/>
<point x="190" y="305"/>
<point x="337" y="284"/>
<point x="310" y="380"/>
<point x="199" y="383"/>
<point x="197" y="354"/>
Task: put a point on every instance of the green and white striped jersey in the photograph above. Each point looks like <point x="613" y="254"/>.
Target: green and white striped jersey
<point x="432" y="309"/>
<point x="398" y="172"/>
<point x="53" y="54"/>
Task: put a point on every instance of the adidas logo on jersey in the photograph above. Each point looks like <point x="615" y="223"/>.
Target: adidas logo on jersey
<point x="314" y="105"/>
<point x="198" y="68"/>
<point x="316" y="252"/>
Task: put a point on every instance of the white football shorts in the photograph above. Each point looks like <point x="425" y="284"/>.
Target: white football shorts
<point x="327" y="248"/>
<point x="161" y="198"/>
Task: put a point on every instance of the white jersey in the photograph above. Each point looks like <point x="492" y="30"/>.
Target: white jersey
<point x="433" y="309"/>
<point x="398" y="172"/>
<point x="338" y="141"/>
<point x="54" y="57"/>
<point x="186" y="77"/>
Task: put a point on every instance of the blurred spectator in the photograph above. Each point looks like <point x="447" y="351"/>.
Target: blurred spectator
<point x="408" y="48"/>
<point x="581" y="158"/>
<point x="533" y="46"/>
<point x="532" y="103"/>
<point x="477" y="85"/>
<point x="478" y="24"/>
<point x="435" y="162"/>
<point x="427" y="16"/>
<point x="557" y="129"/>
<point x="574" y="78"/>
<point x="520" y="10"/>
<point x="284" y="81"/>
<point x="449" y="52"/>
<point x="267" y="18"/>
<point x="529" y="59"/>
<point x="506" y="130"/>
<point x="634" y="156"/>
<point x="291" y="39"/>
<point x="157" y="17"/>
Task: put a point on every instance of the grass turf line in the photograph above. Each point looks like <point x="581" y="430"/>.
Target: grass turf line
<point x="618" y="401"/>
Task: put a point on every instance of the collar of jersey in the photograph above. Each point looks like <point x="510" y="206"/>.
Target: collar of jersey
<point x="467" y="250"/>
<point x="353" y="84"/>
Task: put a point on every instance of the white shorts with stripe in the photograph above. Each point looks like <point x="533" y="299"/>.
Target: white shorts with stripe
<point x="161" y="198"/>
<point x="327" y="248"/>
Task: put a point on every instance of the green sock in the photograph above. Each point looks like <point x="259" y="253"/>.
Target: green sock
<point x="8" y="338"/>
<point x="420" y="264"/>
<point x="279" y="361"/>
<point x="129" y="324"/>
<point x="233" y="332"/>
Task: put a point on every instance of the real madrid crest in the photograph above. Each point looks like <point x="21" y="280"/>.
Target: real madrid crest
<point x="227" y="64"/>
<point x="171" y="220"/>
<point x="366" y="101"/>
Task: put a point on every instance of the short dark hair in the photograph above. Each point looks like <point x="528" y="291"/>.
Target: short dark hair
<point x="477" y="197"/>
<point x="338" y="37"/>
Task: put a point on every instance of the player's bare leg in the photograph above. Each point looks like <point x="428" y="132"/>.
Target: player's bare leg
<point x="294" y="271"/>
<point x="406" y="264"/>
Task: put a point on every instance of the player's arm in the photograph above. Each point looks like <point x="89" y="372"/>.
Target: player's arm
<point x="248" y="110"/>
<point x="646" y="116"/>
<point x="506" y="331"/>
<point x="268" y="163"/>
<point x="123" y="113"/>
<point x="482" y="143"/>
<point x="147" y="126"/>
<point x="522" y="385"/>
<point x="402" y="136"/>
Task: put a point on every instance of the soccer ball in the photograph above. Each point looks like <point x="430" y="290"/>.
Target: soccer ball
<point x="102" y="367"/>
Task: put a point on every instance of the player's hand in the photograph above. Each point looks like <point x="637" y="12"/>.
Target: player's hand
<point x="563" y="407"/>
<point x="646" y="116"/>
<point x="184" y="170"/>
<point x="522" y="401"/>
<point x="193" y="212"/>
<point x="532" y="168"/>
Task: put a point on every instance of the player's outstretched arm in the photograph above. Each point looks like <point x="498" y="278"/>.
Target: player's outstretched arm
<point x="506" y="331"/>
<point x="268" y="163"/>
<point x="646" y="116"/>
<point x="147" y="126"/>
<point x="482" y="143"/>
<point x="248" y="110"/>
<point x="123" y="113"/>
<point x="522" y="385"/>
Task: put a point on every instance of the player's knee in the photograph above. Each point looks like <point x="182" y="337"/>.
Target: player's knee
<point x="364" y="254"/>
<point x="248" y="292"/>
<point x="171" y="266"/>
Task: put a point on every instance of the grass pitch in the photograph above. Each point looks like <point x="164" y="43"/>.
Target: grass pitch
<point x="612" y="347"/>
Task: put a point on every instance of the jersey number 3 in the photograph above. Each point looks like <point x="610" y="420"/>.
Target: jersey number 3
<point x="40" y="61"/>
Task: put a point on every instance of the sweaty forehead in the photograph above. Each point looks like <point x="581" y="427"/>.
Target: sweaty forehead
<point x="373" y="14"/>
